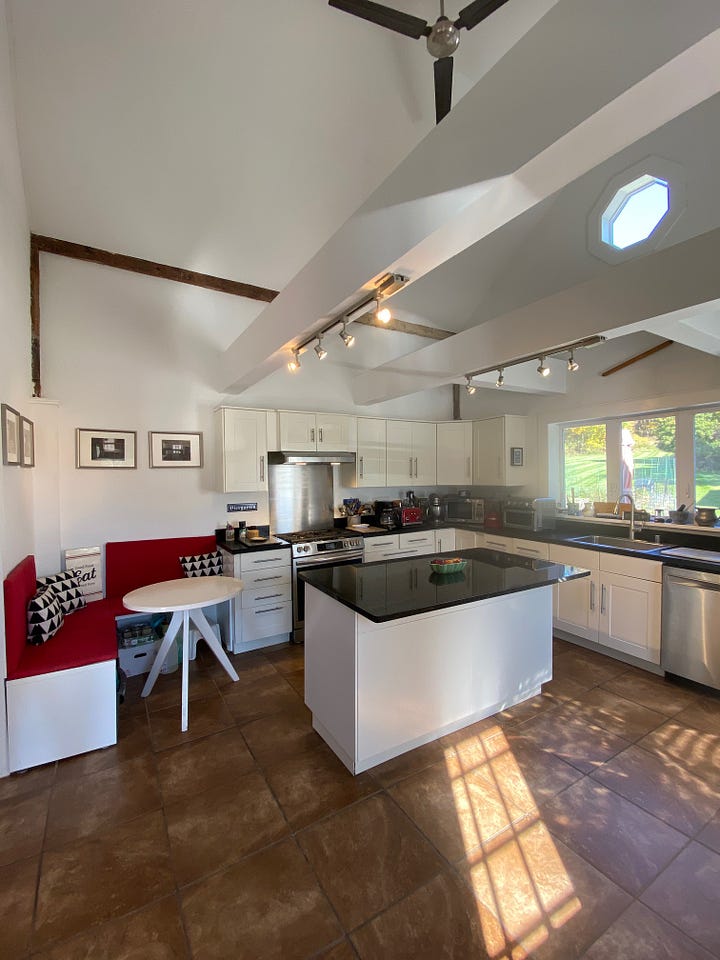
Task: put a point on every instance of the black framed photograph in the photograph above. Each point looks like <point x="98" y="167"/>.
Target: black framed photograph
<point x="27" y="442"/>
<point x="11" y="436"/>
<point x="106" y="449"/>
<point x="175" y="449"/>
<point x="516" y="456"/>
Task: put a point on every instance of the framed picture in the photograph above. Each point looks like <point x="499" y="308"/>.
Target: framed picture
<point x="175" y="449"/>
<point x="106" y="449"/>
<point x="11" y="436"/>
<point x="516" y="456"/>
<point x="27" y="442"/>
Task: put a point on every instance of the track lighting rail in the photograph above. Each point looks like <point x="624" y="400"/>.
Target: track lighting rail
<point x="543" y="369"/>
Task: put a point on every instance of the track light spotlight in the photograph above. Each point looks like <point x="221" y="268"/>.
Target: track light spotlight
<point x="572" y="363"/>
<point x="347" y="338"/>
<point x="383" y="314"/>
<point x="294" y="364"/>
<point x="542" y="369"/>
<point x="500" y="379"/>
<point x="470" y="386"/>
<point x="320" y="349"/>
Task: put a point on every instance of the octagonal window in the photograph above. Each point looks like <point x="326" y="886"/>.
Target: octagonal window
<point x="635" y="211"/>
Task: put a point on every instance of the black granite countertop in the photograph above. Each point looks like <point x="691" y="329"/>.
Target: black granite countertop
<point x="234" y="546"/>
<point x="392" y="589"/>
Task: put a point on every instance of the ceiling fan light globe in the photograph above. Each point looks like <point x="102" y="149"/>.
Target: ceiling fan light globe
<point x="443" y="39"/>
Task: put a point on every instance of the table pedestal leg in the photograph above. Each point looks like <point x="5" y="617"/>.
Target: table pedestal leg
<point x="173" y="627"/>
<point x="203" y="626"/>
<point x="185" y="668"/>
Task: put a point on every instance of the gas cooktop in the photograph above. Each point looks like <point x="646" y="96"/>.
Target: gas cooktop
<point x="308" y="536"/>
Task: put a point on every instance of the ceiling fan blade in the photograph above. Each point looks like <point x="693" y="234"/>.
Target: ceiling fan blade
<point x="395" y="20"/>
<point x="471" y="15"/>
<point x="443" y="87"/>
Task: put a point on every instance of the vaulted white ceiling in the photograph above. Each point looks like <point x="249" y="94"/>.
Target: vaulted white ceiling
<point x="289" y="145"/>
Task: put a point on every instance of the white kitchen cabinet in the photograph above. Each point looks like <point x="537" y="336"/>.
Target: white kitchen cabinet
<point x="380" y="548"/>
<point x="444" y="540"/>
<point x="263" y="611"/>
<point x="496" y="541"/>
<point x="244" y="436"/>
<point x="302" y="431"/>
<point x="454" y="452"/>
<point x="530" y="548"/>
<point x="370" y="468"/>
<point x="419" y="541"/>
<point x="411" y="452"/>
<point x="492" y="443"/>
<point x="618" y="606"/>
<point x="464" y="539"/>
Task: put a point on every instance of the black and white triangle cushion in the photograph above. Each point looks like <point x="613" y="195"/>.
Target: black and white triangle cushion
<point x="44" y="616"/>
<point x="66" y="586"/>
<point x="203" y="565"/>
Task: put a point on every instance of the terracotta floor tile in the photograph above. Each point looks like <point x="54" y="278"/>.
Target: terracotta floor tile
<point x="17" y="898"/>
<point x="297" y="682"/>
<point x="615" y="713"/>
<point x="205" y="764"/>
<point x="526" y="710"/>
<point x="571" y="738"/>
<point x="651" y="691"/>
<point x="268" y="905"/>
<point x="167" y="691"/>
<point x="27" y="782"/>
<point x="133" y="741"/>
<point x="408" y="763"/>
<point x="687" y="895"/>
<point x="627" y="844"/>
<point x="152" y="933"/>
<point x="459" y="813"/>
<point x="664" y="788"/>
<point x="248" y="666"/>
<point x="366" y="856"/>
<point x="205" y="718"/>
<point x="696" y="749"/>
<point x="710" y="835"/>
<point x="22" y="826"/>
<point x="262" y="698"/>
<point x="282" y="735"/>
<point x="105" y="876"/>
<point x="703" y="713"/>
<point x="640" y="934"/>
<point x="286" y="657"/>
<point x="523" y="768"/>
<point x="542" y="899"/>
<point x="440" y="921"/>
<point x="587" y="667"/>
<point x="564" y="688"/>
<point x="83" y="805"/>
<point x="341" y="951"/>
<point x="219" y="826"/>
<point x="314" y="784"/>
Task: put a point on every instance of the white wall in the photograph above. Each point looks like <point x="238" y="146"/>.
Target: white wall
<point x="16" y="484"/>
<point x="127" y="352"/>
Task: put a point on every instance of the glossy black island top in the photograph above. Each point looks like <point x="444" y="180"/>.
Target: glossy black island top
<point x="392" y="589"/>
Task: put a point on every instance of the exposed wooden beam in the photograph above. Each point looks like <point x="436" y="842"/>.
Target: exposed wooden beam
<point x="79" y="251"/>
<point x="638" y="356"/>
<point x="404" y="326"/>
<point x="35" y="320"/>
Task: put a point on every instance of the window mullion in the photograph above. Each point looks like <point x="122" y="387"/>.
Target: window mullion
<point x="685" y="456"/>
<point x="614" y="457"/>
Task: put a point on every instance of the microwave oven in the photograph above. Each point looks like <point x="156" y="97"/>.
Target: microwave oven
<point x="537" y="514"/>
<point x="465" y="510"/>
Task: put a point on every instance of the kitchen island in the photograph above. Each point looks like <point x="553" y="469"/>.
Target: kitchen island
<point x="397" y="656"/>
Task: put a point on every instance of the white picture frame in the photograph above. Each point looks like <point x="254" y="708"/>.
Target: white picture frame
<point x="172" y="450"/>
<point x="105" y="449"/>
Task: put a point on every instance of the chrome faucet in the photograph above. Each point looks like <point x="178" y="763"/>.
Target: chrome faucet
<point x="632" y="512"/>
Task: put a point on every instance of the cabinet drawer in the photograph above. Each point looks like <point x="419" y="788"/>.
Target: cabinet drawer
<point x="631" y="567"/>
<point x="266" y="621"/>
<point x="493" y="542"/>
<point x="375" y="547"/>
<point x="531" y="548"/>
<point x="262" y="578"/>
<point x="264" y="560"/>
<point x="575" y="557"/>
<point x="266" y="596"/>
<point x="421" y="542"/>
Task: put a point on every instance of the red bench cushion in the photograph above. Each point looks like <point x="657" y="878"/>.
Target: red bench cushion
<point x="131" y="564"/>
<point x="19" y="588"/>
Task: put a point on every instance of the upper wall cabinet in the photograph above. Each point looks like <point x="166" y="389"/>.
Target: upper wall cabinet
<point x="244" y="436"/>
<point x="454" y="452"/>
<point x="501" y="452"/>
<point x="370" y="468"/>
<point x="411" y="452"/>
<point x="316" y="431"/>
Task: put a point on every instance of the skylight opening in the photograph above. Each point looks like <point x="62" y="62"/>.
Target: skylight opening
<point x="635" y="211"/>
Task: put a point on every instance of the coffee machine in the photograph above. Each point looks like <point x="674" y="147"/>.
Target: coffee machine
<point x="387" y="513"/>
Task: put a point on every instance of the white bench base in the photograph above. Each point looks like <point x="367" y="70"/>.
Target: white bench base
<point x="61" y="714"/>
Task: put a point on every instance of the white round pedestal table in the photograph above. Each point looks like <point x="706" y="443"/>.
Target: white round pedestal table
<point x="185" y="599"/>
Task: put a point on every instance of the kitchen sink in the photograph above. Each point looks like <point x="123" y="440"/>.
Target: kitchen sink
<point x="624" y="543"/>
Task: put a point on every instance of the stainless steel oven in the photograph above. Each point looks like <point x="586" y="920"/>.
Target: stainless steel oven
<point x="523" y="514"/>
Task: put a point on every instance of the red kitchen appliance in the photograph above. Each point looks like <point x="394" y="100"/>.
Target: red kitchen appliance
<point x="410" y="516"/>
<point x="493" y="520"/>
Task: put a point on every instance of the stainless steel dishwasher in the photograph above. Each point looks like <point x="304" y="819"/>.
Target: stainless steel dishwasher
<point x="691" y="625"/>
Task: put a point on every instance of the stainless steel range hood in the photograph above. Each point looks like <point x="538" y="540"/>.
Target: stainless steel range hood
<point x="309" y="456"/>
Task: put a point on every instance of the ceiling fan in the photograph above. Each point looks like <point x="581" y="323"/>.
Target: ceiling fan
<point x="443" y="36"/>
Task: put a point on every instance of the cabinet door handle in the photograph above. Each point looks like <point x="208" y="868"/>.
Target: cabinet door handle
<point x="278" y="576"/>
<point x="262" y="468"/>
<point x="417" y="540"/>
<point x="592" y="594"/>
<point x="416" y="466"/>
<point x="270" y="596"/>
<point x="410" y="467"/>
<point x="362" y="474"/>
<point x="312" y="434"/>
<point x="439" y="545"/>
<point x="271" y="560"/>
<point x="603" y="592"/>
<point x="467" y="471"/>
<point x="268" y="610"/>
<point x="499" y="469"/>
<point x="320" y="435"/>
